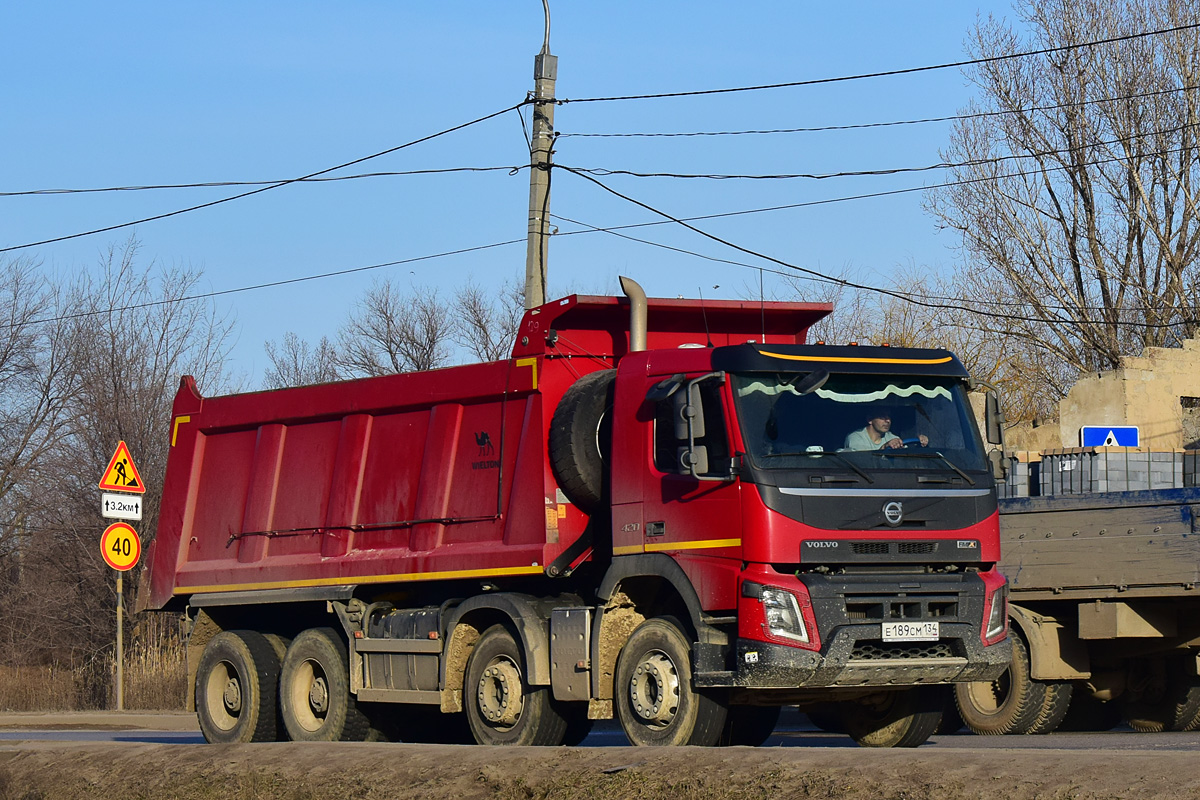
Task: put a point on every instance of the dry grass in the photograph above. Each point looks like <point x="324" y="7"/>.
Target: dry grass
<point x="155" y="676"/>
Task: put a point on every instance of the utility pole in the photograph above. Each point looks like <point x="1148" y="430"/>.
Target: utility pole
<point x="545" y="73"/>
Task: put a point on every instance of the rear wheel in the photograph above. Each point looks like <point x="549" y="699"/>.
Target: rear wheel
<point x="1008" y="704"/>
<point x="502" y="708"/>
<point x="656" y="702"/>
<point x="314" y="689"/>
<point x="236" y="688"/>
<point x="1054" y="707"/>
<point x="903" y="718"/>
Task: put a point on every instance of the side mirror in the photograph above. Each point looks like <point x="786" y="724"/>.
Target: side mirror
<point x="994" y="420"/>
<point x="694" y="460"/>
<point x="999" y="464"/>
<point x="811" y="382"/>
<point x="689" y="413"/>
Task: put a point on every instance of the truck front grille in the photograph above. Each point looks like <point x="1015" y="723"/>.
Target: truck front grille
<point x="880" y="651"/>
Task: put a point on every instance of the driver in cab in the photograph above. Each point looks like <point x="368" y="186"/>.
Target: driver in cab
<point x="878" y="434"/>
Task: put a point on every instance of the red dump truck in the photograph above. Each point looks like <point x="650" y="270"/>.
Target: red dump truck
<point x="652" y="511"/>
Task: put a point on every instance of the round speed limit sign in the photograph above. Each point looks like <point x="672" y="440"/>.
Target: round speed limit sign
<point x="120" y="546"/>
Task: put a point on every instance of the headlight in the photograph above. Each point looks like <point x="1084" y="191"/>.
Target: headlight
<point x="997" y="621"/>
<point x="783" y="614"/>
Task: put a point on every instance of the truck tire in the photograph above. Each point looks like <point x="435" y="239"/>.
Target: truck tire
<point x="502" y="708"/>
<point x="314" y="690"/>
<point x="749" y="726"/>
<point x="902" y="718"/>
<point x="1166" y="698"/>
<point x="656" y="702"/>
<point x="1008" y="704"/>
<point x="581" y="439"/>
<point x="236" y="688"/>
<point x="1054" y="708"/>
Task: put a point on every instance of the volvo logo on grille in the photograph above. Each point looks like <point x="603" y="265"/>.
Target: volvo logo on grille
<point x="822" y="544"/>
<point x="893" y="512"/>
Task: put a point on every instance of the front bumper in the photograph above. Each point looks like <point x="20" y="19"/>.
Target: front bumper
<point x="857" y="657"/>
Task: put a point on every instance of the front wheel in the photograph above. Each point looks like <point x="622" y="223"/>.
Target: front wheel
<point x="902" y="718"/>
<point x="1011" y="703"/>
<point x="502" y="708"/>
<point x="656" y="702"/>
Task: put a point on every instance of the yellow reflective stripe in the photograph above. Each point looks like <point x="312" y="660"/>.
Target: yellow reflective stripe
<point x="624" y="551"/>
<point x="529" y="362"/>
<point x="175" y="428"/>
<point x="347" y="580"/>
<point x="656" y="547"/>
<point x="859" y="360"/>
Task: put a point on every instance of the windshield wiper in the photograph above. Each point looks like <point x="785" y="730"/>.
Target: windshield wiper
<point x="838" y="456"/>
<point x="934" y="454"/>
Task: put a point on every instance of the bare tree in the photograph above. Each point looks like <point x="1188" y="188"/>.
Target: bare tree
<point x="129" y="334"/>
<point x="388" y="332"/>
<point x="1076" y="206"/>
<point x="488" y="321"/>
<point x="294" y="362"/>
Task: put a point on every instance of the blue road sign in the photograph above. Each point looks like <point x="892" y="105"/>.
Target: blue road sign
<point x="1109" y="436"/>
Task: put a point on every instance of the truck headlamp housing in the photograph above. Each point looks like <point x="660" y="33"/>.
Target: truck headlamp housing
<point x="995" y="626"/>
<point x="783" y="616"/>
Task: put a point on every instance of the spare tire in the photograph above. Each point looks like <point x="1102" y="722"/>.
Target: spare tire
<point x="581" y="440"/>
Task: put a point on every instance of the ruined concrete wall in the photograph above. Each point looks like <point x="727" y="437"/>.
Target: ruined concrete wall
<point x="1145" y="391"/>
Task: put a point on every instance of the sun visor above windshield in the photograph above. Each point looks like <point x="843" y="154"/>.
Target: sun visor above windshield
<point x="864" y="360"/>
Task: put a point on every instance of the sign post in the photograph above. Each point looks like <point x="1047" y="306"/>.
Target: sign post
<point x="120" y="545"/>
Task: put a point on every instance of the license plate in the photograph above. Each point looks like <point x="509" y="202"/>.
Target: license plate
<point x="910" y="631"/>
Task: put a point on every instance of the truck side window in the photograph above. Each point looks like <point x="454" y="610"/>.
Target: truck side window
<point x="666" y="446"/>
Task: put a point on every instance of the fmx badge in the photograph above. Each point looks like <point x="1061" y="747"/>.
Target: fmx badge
<point x="121" y="475"/>
<point x="120" y="546"/>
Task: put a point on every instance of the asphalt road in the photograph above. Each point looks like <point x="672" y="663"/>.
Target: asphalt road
<point x="794" y="731"/>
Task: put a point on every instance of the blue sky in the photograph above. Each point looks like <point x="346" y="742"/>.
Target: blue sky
<point x="149" y="93"/>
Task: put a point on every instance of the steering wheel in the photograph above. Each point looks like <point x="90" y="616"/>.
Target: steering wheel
<point x="912" y="443"/>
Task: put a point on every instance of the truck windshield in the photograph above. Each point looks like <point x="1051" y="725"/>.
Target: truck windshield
<point x="864" y="422"/>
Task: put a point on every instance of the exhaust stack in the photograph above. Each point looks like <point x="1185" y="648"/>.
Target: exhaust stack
<point x="637" y="313"/>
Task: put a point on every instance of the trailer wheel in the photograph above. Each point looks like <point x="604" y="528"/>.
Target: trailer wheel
<point x="236" y="688"/>
<point x="656" y="702"/>
<point x="502" y="708"/>
<point x="1008" y="704"/>
<point x="314" y="690"/>
<point x="581" y="439"/>
<point x="749" y="726"/>
<point x="903" y="718"/>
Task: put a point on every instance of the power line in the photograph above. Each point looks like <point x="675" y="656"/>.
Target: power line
<point x="265" y="188"/>
<point x="865" y="125"/>
<point x="863" y="196"/>
<point x="272" y="183"/>
<point x="977" y="162"/>
<point x="269" y="285"/>
<point x="886" y="73"/>
<point x="963" y="305"/>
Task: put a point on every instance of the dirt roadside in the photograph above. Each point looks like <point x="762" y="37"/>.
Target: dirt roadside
<point x="57" y="770"/>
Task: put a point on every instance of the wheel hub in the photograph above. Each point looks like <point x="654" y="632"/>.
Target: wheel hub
<point x="318" y="696"/>
<point x="654" y="689"/>
<point x="500" y="695"/>
<point x="232" y="696"/>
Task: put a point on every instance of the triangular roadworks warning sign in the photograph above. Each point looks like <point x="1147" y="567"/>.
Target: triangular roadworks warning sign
<point x="121" y="475"/>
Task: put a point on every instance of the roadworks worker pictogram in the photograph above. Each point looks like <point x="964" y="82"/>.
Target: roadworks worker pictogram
<point x="121" y="475"/>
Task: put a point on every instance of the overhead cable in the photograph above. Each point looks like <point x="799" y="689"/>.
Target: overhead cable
<point x="885" y="73"/>
<point x="962" y="306"/>
<point x="273" y="183"/>
<point x="864" y="125"/>
<point x="267" y="188"/>
<point x="268" y="285"/>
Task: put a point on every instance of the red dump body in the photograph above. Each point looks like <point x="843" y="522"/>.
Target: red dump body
<point x="414" y="477"/>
